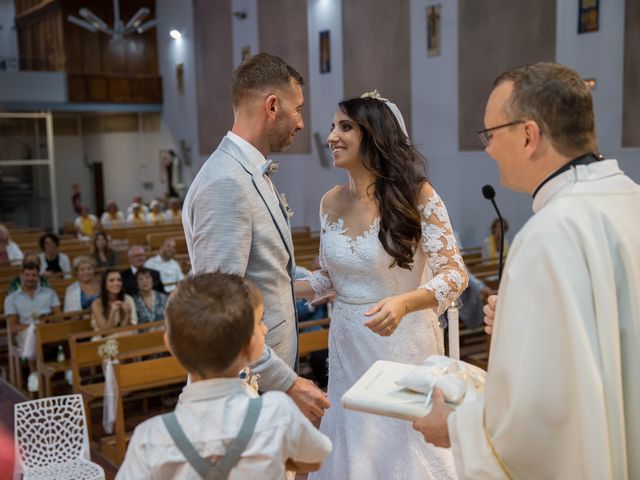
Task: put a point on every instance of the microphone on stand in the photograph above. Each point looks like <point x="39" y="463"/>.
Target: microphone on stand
<point x="490" y="194"/>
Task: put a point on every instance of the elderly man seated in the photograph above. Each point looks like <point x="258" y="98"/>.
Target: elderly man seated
<point x="164" y="262"/>
<point x="23" y="307"/>
<point x="136" y="261"/>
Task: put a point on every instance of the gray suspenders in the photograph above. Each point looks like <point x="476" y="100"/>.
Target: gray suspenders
<point x="221" y="469"/>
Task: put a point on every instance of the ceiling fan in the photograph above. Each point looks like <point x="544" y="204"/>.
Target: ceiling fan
<point x="90" y="21"/>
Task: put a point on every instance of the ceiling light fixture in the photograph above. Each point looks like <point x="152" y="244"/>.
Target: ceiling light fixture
<point x="90" y="21"/>
<point x="175" y="34"/>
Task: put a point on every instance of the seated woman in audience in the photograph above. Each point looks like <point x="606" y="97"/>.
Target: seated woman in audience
<point x="81" y="294"/>
<point x="174" y="212"/>
<point x="491" y="247"/>
<point x="113" y="308"/>
<point x="86" y="224"/>
<point x="10" y="253"/>
<point x="29" y="257"/>
<point x="102" y="254"/>
<point x="52" y="262"/>
<point x="155" y="216"/>
<point x="112" y="217"/>
<point x="137" y="217"/>
<point x="149" y="303"/>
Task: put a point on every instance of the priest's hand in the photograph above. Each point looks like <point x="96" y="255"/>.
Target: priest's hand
<point x="489" y="313"/>
<point x="309" y="398"/>
<point x="389" y="312"/>
<point x="434" y="426"/>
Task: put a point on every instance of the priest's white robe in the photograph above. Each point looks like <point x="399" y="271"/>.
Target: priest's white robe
<point x="563" y="390"/>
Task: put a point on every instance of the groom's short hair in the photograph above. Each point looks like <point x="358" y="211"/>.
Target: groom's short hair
<point x="260" y="72"/>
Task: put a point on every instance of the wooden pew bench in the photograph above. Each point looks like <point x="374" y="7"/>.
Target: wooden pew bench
<point x="136" y="377"/>
<point x="55" y="330"/>
<point x="134" y="342"/>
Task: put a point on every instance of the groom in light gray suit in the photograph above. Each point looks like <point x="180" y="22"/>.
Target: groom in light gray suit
<point x="234" y="220"/>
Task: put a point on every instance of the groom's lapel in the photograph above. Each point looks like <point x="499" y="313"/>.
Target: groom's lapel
<point x="266" y="193"/>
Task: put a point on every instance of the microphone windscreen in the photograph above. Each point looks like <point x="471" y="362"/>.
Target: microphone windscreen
<point x="488" y="192"/>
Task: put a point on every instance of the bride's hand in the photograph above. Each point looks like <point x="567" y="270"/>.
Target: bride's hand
<point x="389" y="312"/>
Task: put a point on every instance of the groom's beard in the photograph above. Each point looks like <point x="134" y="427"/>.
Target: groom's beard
<point x="282" y="137"/>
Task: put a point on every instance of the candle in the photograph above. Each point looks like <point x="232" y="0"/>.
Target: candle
<point x="454" y="332"/>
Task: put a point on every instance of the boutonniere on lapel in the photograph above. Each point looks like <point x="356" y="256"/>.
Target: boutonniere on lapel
<point x="287" y="209"/>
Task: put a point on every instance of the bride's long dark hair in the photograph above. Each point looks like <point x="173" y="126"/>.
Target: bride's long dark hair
<point x="399" y="171"/>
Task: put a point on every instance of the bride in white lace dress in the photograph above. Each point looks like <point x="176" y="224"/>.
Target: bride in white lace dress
<point x="388" y="253"/>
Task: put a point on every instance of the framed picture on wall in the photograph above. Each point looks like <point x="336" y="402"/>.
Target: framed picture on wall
<point x="325" y="52"/>
<point x="433" y="30"/>
<point x="588" y="16"/>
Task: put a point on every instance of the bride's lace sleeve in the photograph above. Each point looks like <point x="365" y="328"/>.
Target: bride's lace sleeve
<point x="443" y="257"/>
<point x="319" y="279"/>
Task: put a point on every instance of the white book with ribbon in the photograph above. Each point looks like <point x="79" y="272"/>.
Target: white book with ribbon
<point x="379" y="393"/>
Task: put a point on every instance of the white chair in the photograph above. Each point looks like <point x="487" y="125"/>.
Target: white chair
<point x="51" y="440"/>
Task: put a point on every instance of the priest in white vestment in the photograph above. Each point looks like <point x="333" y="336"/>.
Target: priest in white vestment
<point x="562" y="398"/>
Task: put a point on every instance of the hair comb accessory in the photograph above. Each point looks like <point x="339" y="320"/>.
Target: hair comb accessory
<point x="392" y="106"/>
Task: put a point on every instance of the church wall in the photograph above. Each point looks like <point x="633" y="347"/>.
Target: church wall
<point x="457" y="175"/>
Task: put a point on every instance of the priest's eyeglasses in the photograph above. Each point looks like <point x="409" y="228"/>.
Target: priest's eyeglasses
<point x="485" y="135"/>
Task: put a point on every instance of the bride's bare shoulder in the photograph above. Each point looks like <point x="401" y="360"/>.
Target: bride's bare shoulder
<point x="332" y="200"/>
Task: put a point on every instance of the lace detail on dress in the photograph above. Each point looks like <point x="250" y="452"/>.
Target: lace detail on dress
<point x="320" y="284"/>
<point x="443" y="257"/>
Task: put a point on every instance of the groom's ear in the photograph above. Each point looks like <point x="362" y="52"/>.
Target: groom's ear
<point x="271" y="105"/>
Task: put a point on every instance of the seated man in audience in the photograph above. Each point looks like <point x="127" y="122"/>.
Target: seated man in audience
<point x="136" y="261"/>
<point x="10" y="253"/>
<point x="23" y="307"/>
<point x="174" y="213"/>
<point x="86" y="224"/>
<point x="29" y="257"/>
<point x="52" y="261"/>
<point x="214" y="328"/>
<point x="137" y="217"/>
<point x="155" y="215"/>
<point x="112" y="217"/>
<point x="170" y="270"/>
<point x="137" y="200"/>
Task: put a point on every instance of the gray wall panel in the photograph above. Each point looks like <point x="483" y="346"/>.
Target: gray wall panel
<point x="282" y="31"/>
<point x="631" y="87"/>
<point x="376" y="49"/>
<point x="214" y="66"/>
<point x="494" y="36"/>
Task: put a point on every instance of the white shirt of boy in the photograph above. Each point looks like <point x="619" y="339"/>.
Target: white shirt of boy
<point x="211" y="412"/>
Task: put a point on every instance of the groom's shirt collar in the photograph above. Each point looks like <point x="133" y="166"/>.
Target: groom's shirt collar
<point x="251" y="153"/>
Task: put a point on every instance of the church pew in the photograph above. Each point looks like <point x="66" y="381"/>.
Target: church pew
<point x="55" y="329"/>
<point x="133" y="342"/>
<point x="155" y="240"/>
<point x="137" y="377"/>
<point x="314" y="340"/>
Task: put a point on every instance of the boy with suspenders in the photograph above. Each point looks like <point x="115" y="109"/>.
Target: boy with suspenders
<point x="217" y="431"/>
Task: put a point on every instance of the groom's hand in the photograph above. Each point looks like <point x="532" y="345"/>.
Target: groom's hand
<point x="434" y="425"/>
<point x="310" y="399"/>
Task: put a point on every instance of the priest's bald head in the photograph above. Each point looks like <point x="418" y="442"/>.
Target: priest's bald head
<point x="538" y="118"/>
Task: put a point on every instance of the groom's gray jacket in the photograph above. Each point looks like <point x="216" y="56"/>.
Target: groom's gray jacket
<point x="233" y="223"/>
